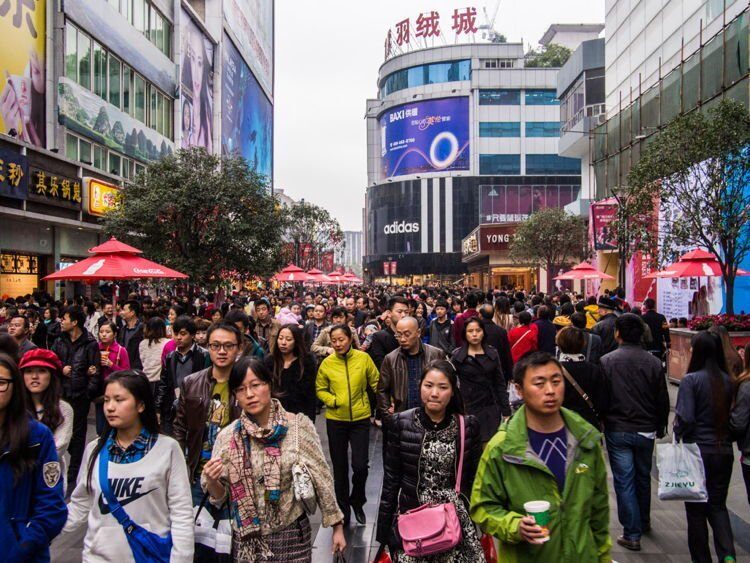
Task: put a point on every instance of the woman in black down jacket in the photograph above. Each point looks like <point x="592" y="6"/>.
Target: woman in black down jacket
<point x="294" y="370"/>
<point x="421" y="464"/>
<point x="480" y="375"/>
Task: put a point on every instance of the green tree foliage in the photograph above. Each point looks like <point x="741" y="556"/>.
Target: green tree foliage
<point x="549" y="239"/>
<point x="697" y="170"/>
<point x="311" y="232"/>
<point x="551" y="56"/>
<point x="204" y="215"/>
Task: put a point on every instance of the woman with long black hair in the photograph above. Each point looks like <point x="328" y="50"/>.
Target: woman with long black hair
<point x="146" y="473"/>
<point x="294" y="370"/>
<point x="32" y="509"/>
<point x="702" y="417"/>
<point x="42" y="370"/>
<point x="483" y="384"/>
<point x="422" y="463"/>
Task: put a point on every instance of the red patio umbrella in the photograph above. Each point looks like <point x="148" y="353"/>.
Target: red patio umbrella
<point x="291" y="273"/>
<point x="335" y="277"/>
<point x="584" y="271"/>
<point x="114" y="261"/>
<point x="317" y="276"/>
<point x="351" y="277"/>
<point x="695" y="264"/>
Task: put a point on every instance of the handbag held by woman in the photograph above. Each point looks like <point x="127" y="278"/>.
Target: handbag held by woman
<point x="433" y="528"/>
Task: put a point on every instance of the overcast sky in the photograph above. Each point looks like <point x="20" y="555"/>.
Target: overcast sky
<point x="327" y="57"/>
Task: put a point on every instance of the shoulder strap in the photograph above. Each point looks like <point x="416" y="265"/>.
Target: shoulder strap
<point x="460" y="471"/>
<point x="581" y="392"/>
<point x="588" y="347"/>
<point x="114" y="505"/>
<point x="296" y="439"/>
<point x="517" y="342"/>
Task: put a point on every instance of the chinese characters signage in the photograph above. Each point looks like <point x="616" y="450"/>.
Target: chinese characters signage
<point x="55" y="189"/>
<point x="18" y="264"/>
<point x="603" y="215"/>
<point x="103" y="197"/>
<point x="14" y="175"/>
<point x="427" y="24"/>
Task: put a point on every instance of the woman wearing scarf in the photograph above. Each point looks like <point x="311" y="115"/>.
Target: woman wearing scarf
<point x="251" y="465"/>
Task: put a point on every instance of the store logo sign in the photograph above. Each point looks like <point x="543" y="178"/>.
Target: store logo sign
<point x="397" y="228"/>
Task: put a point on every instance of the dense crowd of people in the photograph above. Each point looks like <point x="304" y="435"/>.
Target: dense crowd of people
<point x="489" y="403"/>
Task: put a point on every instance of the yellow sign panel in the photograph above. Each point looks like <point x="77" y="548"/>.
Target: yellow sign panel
<point x="103" y="197"/>
<point x="13" y="285"/>
<point x="22" y="80"/>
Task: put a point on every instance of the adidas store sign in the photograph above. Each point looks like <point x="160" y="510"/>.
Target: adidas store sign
<point x="400" y="228"/>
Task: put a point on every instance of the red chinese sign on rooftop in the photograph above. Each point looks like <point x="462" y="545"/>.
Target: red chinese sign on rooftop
<point x="427" y="25"/>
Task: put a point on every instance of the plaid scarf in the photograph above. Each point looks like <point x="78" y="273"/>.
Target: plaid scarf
<point x="246" y="518"/>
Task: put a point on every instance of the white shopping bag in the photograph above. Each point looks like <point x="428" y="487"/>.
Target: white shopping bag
<point x="681" y="473"/>
<point x="216" y="536"/>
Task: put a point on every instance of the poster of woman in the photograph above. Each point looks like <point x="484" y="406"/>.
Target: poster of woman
<point x="22" y="89"/>
<point x="197" y="97"/>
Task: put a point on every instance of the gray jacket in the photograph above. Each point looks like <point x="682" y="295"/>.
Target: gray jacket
<point x="739" y="421"/>
<point x="393" y="385"/>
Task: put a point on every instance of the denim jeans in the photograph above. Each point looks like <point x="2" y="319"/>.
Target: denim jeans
<point x="630" y="457"/>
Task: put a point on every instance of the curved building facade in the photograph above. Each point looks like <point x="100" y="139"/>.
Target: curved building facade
<point x="459" y="136"/>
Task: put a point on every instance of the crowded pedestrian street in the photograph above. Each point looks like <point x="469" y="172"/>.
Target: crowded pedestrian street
<point x="374" y="282"/>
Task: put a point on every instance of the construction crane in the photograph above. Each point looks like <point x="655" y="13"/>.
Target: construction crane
<point x="488" y="28"/>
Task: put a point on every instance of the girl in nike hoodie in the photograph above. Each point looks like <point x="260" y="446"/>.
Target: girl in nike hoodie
<point x="146" y="473"/>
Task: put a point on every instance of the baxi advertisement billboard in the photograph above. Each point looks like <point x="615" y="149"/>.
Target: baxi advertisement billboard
<point x="429" y="136"/>
<point x="247" y="114"/>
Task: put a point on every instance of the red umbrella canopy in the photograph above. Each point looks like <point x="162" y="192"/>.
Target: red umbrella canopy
<point x="291" y="273"/>
<point x="695" y="264"/>
<point x="584" y="271"/>
<point x="113" y="246"/>
<point x="120" y="266"/>
<point x="351" y="277"/>
<point x="316" y="275"/>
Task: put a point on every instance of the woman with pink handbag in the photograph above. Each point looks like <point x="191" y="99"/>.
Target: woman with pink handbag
<point x="431" y="459"/>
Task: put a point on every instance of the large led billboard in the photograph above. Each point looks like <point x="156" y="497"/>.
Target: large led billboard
<point x="247" y="114"/>
<point x="251" y="22"/>
<point x="429" y="136"/>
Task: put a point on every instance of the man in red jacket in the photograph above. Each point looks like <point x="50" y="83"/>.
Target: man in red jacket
<point x="524" y="338"/>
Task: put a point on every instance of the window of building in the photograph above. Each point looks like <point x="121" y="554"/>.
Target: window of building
<point x="489" y="63"/>
<point x="112" y="80"/>
<point x="500" y="97"/>
<point x="99" y="157"/>
<point x="115" y="81"/>
<point x="541" y="98"/>
<point x="499" y="129"/>
<point x="144" y="16"/>
<point x="499" y="164"/>
<point x="551" y="164"/>
<point x="542" y="128"/>
<point x="115" y="161"/>
<point x="507" y="63"/>
<point x="433" y="73"/>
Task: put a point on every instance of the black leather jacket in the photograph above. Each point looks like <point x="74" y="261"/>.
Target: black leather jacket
<point x="401" y="473"/>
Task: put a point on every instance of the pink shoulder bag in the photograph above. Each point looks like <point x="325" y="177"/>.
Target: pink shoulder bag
<point x="433" y="528"/>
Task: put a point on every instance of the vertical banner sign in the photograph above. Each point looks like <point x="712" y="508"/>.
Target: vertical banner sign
<point x="14" y="175"/>
<point x="603" y="216"/>
<point x="393" y="268"/>
<point x="247" y="114"/>
<point x="22" y="64"/>
<point x="197" y="92"/>
<point x="386" y="268"/>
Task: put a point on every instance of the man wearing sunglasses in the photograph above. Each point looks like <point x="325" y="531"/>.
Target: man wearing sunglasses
<point x="205" y="405"/>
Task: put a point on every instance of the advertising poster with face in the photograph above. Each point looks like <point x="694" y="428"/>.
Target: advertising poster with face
<point x="247" y="114"/>
<point x="197" y="98"/>
<point x="22" y="89"/>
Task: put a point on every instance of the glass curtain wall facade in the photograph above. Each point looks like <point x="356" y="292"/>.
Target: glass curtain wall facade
<point x="422" y="75"/>
<point x="718" y="69"/>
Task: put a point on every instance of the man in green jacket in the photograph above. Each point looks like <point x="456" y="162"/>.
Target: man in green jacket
<point x="544" y="452"/>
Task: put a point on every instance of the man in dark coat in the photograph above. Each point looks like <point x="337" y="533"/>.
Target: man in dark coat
<point x="497" y="337"/>
<point x="546" y="330"/>
<point x="384" y="341"/>
<point x="605" y="328"/>
<point x="131" y="333"/>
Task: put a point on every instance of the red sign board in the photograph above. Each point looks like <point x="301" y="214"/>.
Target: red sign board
<point x="427" y="24"/>
<point x="393" y="268"/>
<point x="493" y="238"/>
<point x="602" y="217"/>
<point x="386" y="268"/>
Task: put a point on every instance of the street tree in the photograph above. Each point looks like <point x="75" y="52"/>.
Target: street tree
<point x="691" y="187"/>
<point x="550" y="238"/>
<point x="205" y="215"/>
<point x="311" y="233"/>
<point x="551" y="56"/>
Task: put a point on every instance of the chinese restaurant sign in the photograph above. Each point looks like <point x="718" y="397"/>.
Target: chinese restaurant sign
<point x="103" y="197"/>
<point x="55" y="189"/>
<point x="14" y="175"/>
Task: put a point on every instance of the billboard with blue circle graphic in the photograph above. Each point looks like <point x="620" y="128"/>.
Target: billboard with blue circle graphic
<point x="429" y="136"/>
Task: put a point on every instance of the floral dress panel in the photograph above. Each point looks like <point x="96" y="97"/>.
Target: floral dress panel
<point x="437" y="485"/>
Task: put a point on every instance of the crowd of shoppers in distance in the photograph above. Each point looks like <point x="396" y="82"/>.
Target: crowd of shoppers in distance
<point x="485" y="401"/>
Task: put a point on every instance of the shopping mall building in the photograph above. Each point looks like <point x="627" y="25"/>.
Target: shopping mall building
<point x="462" y="139"/>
